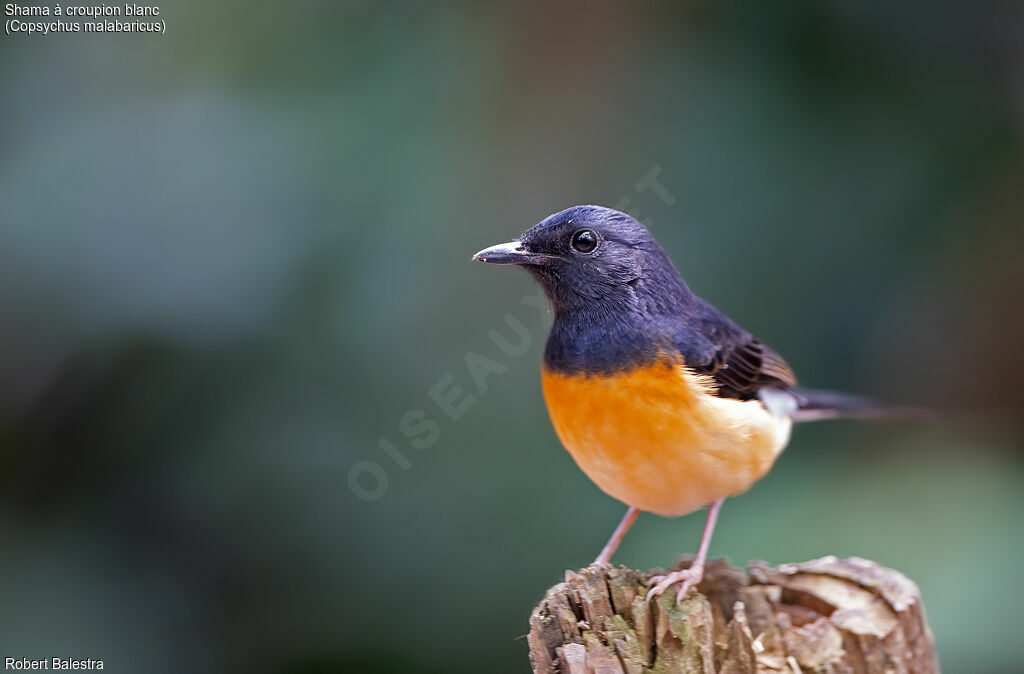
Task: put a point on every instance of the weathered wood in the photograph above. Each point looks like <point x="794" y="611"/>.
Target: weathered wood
<point x="829" y="616"/>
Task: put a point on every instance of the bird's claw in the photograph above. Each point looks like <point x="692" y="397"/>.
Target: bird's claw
<point x="690" y="578"/>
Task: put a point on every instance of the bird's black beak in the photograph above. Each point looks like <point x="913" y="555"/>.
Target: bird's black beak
<point x="513" y="252"/>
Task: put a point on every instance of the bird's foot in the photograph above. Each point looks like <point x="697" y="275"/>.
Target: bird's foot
<point x="690" y="578"/>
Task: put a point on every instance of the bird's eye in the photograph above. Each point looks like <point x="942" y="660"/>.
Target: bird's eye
<point x="584" y="241"/>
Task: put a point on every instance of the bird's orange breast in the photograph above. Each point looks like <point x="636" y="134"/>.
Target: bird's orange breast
<point x="656" y="437"/>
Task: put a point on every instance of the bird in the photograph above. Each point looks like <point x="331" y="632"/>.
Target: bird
<point x="664" y="402"/>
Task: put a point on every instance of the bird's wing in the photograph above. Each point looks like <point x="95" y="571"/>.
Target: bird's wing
<point x="739" y="362"/>
<point x="741" y="367"/>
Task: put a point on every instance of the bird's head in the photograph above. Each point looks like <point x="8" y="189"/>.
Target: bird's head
<point x="591" y="258"/>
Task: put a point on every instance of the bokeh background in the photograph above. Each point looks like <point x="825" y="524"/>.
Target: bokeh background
<point x="234" y="257"/>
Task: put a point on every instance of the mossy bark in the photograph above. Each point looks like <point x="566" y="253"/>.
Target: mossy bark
<point x="827" y="616"/>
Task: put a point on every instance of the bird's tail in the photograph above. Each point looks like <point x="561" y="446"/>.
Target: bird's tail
<point x="822" y="405"/>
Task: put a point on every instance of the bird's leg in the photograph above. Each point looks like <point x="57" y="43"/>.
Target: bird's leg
<point x="692" y="576"/>
<point x="605" y="558"/>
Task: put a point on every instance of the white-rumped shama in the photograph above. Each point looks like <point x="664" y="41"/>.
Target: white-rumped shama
<point x="662" y="400"/>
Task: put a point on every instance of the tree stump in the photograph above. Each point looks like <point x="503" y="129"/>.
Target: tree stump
<point x="829" y="615"/>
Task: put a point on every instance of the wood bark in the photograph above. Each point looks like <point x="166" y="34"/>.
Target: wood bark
<point x="829" y="616"/>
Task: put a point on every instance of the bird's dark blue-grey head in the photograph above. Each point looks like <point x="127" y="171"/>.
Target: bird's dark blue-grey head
<point x="617" y="296"/>
<point x="594" y="260"/>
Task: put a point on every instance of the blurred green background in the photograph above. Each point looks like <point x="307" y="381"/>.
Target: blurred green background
<point x="234" y="257"/>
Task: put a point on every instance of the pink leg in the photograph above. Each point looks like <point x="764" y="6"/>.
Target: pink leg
<point x="692" y="576"/>
<point x="605" y="558"/>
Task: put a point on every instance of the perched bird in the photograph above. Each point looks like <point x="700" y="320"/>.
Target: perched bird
<point x="662" y="400"/>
